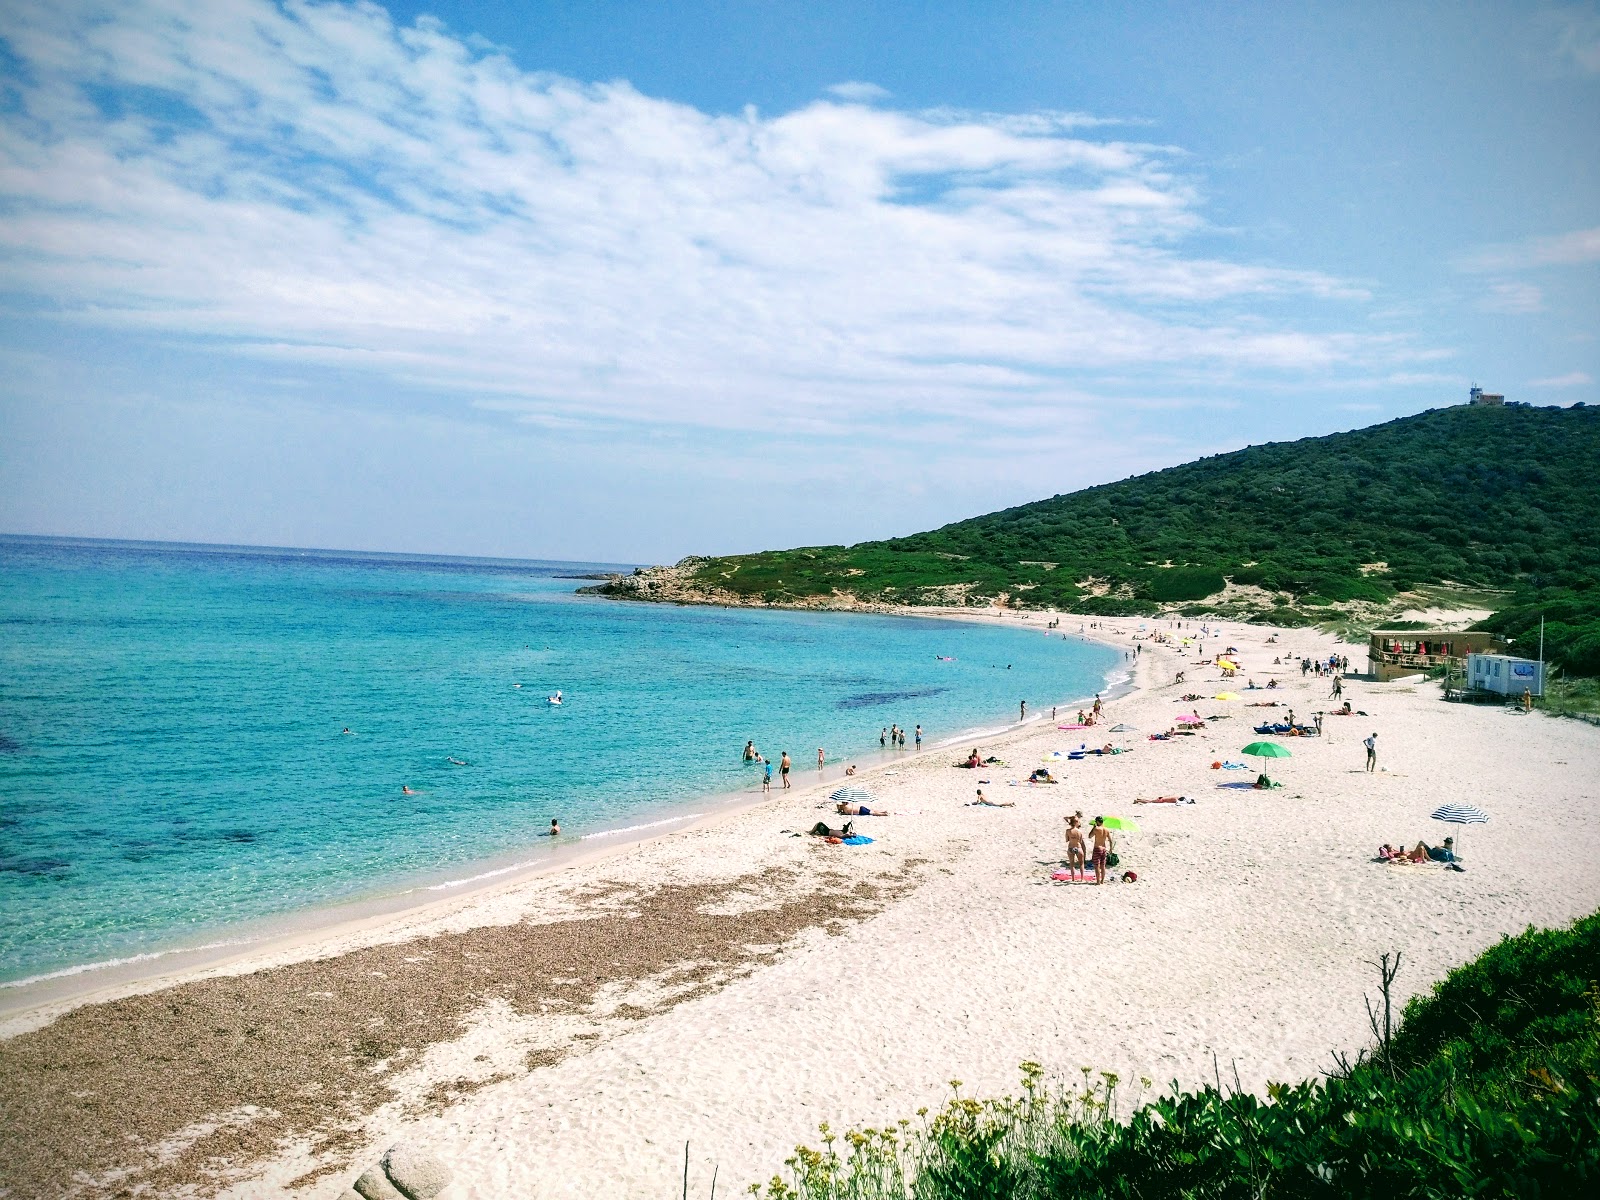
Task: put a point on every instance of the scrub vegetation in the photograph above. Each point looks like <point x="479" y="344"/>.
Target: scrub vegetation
<point x="1468" y="499"/>
<point x="1489" y="1086"/>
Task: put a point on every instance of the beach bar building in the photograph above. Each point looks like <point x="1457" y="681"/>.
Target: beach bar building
<point x="1505" y="675"/>
<point x="1392" y="653"/>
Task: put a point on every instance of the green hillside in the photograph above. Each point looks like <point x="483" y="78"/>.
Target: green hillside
<point x="1486" y="498"/>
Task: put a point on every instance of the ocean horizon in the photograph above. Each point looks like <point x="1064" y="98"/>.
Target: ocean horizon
<point x="174" y="761"/>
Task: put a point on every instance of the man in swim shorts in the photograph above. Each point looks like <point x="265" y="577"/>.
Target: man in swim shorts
<point x="1103" y="845"/>
<point x="783" y="768"/>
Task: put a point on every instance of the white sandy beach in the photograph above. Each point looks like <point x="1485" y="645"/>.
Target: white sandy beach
<point x="1246" y="936"/>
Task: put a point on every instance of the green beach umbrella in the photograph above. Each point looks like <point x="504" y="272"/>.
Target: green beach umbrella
<point x="1123" y="824"/>
<point x="1266" y="750"/>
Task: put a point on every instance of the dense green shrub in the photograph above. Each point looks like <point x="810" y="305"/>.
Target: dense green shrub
<point x="1495" y="498"/>
<point x="1571" y="617"/>
<point x="1174" y="584"/>
<point x="1490" y="1088"/>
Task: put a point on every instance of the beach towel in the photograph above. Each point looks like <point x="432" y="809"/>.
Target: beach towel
<point x="1063" y="877"/>
<point x="1072" y="727"/>
<point x="1238" y="786"/>
<point x="858" y="840"/>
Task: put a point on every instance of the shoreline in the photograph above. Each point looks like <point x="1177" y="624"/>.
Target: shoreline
<point x="28" y="1002"/>
<point x="566" y="1034"/>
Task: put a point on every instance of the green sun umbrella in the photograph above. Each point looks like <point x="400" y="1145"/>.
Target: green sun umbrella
<point x="1122" y="824"/>
<point x="1266" y="750"/>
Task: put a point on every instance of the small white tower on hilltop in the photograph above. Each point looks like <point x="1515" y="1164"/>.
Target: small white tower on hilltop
<point x="1482" y="399"/>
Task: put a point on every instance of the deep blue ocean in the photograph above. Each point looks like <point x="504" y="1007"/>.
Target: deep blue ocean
<point x="172" y="754"/>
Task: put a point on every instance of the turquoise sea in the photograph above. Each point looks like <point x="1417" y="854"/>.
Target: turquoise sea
<point x="172" y="754"/>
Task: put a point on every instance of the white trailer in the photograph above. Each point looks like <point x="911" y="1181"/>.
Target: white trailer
<point x="1505" y="675"/>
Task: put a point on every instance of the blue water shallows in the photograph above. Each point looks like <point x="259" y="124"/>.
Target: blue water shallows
<point x="172" y="758"/>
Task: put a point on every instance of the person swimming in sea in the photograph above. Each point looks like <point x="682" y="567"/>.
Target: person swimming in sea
<point x="405" y="790"/>
<point x="555" y="827"/>
<point x="457" y="762"/>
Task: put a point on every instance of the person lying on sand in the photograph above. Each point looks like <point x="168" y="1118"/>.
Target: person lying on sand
<point x="859" y="810"/>
<point x="1042" y="775"/>
<point x="984" y="802"/>
<point x="1445" y="853"/>
<point x="1165" y="800"/>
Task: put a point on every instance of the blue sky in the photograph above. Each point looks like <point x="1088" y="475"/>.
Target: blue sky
<point x="628" y="281"/>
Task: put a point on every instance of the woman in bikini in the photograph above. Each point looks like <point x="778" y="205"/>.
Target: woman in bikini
<point x="1077" y="864"/>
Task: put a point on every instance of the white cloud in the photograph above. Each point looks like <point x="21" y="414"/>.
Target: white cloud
<point x="1511" y="297"/>
<point x="1570" y="379"/>
<point x="311" y="183"/>
<point x="1562" y="250"/>
<point x="1576" y="36"/>
<point x="857" y="92"/>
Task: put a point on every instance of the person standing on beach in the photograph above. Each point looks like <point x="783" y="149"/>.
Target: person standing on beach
<point x="783" y="768"/>
<point x="919" y="737"/>
<point x="1338" y="687"/>
<point x="1097" y="704"/>
<point x="883" y="738"/>
<point x="766" y="776"/>
<point x="1077" y="866"/>
<point x="1022" y="714"/>
<point x="1371" y="744"/>
<point x="1103" y="845"/>
<point x="821" y="758"/>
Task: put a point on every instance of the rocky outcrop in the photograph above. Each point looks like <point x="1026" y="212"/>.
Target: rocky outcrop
<point x="677" y="585"/>
<point x="418" y="1175"/>
<point x="403" y="1173"/>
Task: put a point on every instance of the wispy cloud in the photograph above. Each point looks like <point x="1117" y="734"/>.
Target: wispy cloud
<point x="313" y="183"/>
<point x="1567" y="249"/>
<point x="1575" y="31"/>
<point x="1570" y="379"/>
<point x="1511" y="297"/>
<point x="857" y="92"/>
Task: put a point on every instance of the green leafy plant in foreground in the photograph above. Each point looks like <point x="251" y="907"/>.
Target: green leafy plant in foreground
<point x="1489" y="1087"/>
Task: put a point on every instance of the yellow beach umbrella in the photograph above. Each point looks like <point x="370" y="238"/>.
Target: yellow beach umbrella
<point x="1226" y="696"/>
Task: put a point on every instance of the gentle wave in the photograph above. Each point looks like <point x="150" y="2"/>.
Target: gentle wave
<point x="81" y="969"/>
<point x="646" y="825"/>
<point x="454" y="883"/>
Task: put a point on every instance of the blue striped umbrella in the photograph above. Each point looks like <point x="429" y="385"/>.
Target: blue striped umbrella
<point x="1460" y="814"/>
<point x="851" y="794"/>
